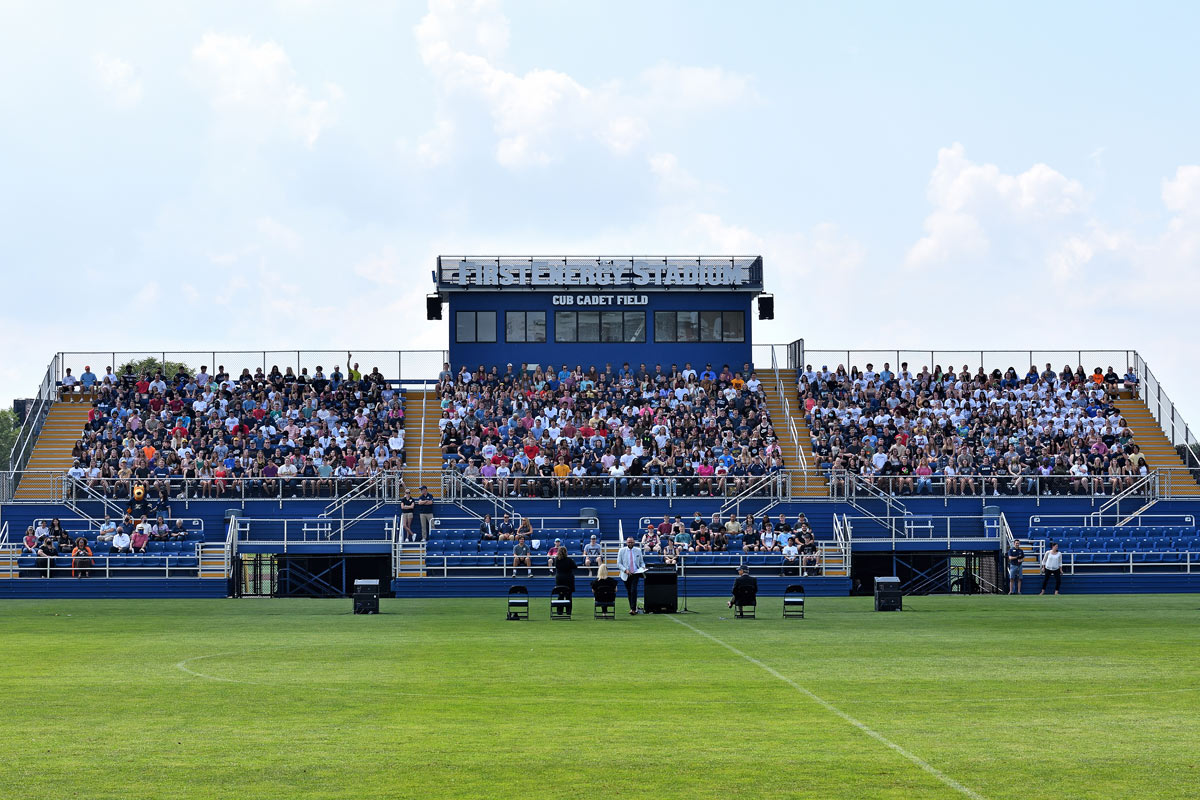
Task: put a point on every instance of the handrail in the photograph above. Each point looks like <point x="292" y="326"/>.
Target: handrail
<point x="231" y="545"/>
<point x="35" y="418"/>
<point x="787" y="412"/>
<point x="1148" y="482"/>
<point x="913" y="526"/>
<point x="1163" y="409"/>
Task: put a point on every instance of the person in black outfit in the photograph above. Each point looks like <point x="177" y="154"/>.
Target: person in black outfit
<point x="745" y="583"/>
<point x="564" y="571"/>
<point x="1016" y="564"/>
<point x="604" y="584"/>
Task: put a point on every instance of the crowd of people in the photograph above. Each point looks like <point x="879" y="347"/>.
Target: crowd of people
<point x="257" y="434"/>
<point x="633" y="431"/>
<point x="48" y="540"/>
<point x="964" y="432"/>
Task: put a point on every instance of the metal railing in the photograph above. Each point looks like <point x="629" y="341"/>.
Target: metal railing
<point x="381" y="487"/>
<point x="287" y="533"/>
<point x="502" y="564"/>
<point x="1094" y="521"/>
<point x="505" y="491"/>
<point x="35" y="419"/>
<point x="137" y="565"/>
<point x="845" y="485"/>
<point x="399" y="365"/>
<point x="923" y="528"/>
<point x="1165" y="413"/>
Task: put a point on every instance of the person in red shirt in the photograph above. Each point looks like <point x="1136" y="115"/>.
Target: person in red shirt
<point x="140" y="537"/>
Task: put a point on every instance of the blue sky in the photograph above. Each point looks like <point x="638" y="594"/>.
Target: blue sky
<point x="282" y="174"/>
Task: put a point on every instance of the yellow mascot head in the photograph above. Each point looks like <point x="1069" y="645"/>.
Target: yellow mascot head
<point x="139" y="491"/>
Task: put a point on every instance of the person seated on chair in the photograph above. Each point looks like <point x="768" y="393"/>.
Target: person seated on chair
<point x="521" y="556"/>
<point x="810" y="554"/>
<point x="30" y="543"/>
<point x="487" y="529"/>
<point x="791" y="557"/>
<point x="605" y="585"/>
<point x="670" y="553"/>
<point x="552" y="553"/>
<point x="506" y="531"/>
<point x="121" y="543"/>
<point x="564" y="571"/>
<point x="108" y="529"/>
<point x="745" y="586"/>
<point x="81" y="559"/>
<point x="140" y="537"/>
<point x="591" y="554"/>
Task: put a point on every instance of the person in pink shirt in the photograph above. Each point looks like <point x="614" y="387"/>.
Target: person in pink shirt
<point x="141" y="535"/>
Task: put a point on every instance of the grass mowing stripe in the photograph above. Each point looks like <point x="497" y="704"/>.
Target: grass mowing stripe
<point x="830" y="707"/>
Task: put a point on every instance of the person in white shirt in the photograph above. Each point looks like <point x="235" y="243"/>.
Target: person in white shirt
<point x="120" y="542"/>
<point x="1052" y="567"/>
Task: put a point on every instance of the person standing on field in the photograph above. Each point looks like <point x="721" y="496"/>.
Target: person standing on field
<point x="1052" y="567"/>
<point x="1016" y="561"/>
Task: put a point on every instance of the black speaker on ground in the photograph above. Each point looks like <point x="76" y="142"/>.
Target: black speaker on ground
<point x="887" y="594"/>
<point x="766" y="306"/>
<point x="660" y="594"/>
<point x="366" y="596"/>
<point x="433" y="306"/>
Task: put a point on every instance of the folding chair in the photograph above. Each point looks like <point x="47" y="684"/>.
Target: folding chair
<point x="745" y="603"/>
<point x="793" y="601"/>
<point x="606" y="601"/>
<point x="518" y="602"/>
<point x="560" y="603"/>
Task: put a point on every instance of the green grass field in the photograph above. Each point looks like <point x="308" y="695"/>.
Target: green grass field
<point x="994" y="697"/>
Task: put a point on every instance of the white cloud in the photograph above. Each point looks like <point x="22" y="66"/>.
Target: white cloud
<point x="538" y="115"/>
<point x="254" y="88"/>
<point x="979" y="211"/>
<point x="1182" y="194"/>
<point x="118" y="80"/>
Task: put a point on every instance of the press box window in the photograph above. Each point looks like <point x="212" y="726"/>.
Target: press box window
<point x="699" y="326"/>
<point x="525" y="326"/>
<point x="475" y="326"/>
<point x="600" y="326"/>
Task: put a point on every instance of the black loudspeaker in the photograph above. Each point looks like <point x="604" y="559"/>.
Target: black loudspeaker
<point x="887" y="594"/>
<point x="766" y="306"/>
<point x="366" y="597"/>
<point x="433" y="306"/>
<point x="661" y="590"/>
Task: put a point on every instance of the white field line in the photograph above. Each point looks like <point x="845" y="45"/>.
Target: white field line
<point x="879" y="737"/>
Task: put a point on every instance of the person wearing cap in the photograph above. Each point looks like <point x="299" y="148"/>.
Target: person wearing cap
<point x="425" y="511"/>
<point x="632" y="564"/>
<point x="553" y="553"/>
<point x="744" y="583"/>
<point x="591" y="554"/>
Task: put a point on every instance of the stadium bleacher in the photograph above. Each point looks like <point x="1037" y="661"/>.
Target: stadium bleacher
<point x="965" y="432"/>
<point x="255" y="435"/>
<point x="643" y="431"/>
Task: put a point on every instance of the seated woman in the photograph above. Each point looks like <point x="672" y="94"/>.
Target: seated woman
<point x="30" y="543"/>
<point x="81" y="559"/>
<point x="604" y="585"/>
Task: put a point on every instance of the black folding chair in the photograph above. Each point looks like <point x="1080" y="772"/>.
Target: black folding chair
<point x="606" y="601"/>
<point x="793" y="601"/>
<point x="560" y="603"/>
<point x="518" y="602"/>
<point x="745" y="603"/>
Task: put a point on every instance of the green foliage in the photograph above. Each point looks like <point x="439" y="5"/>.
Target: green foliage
<point x="152" y="365"/>
<point x="9" y="430"/>
<point x="1013" y="697"/>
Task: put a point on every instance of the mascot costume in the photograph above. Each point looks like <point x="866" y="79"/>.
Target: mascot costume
<point x="139" y="506"/>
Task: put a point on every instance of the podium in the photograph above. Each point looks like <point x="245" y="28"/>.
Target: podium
<point x="887" y="594"/>
<point x="366" y="596"/>
<point x="660" y="594"/>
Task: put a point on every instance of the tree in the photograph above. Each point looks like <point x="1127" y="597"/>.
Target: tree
<point x="9" y="430"/>
<point x="151" y="365"/>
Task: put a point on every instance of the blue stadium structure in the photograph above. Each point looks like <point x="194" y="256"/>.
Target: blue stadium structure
<point x="581" y="401"/>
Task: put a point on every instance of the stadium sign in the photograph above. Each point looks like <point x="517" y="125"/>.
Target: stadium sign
<point x="600" y="300"/>
<point x="738" y="272"/>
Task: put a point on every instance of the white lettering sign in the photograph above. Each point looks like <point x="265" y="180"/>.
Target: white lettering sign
<point x="600" y="300"/>
<point x="674" y="272"/>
